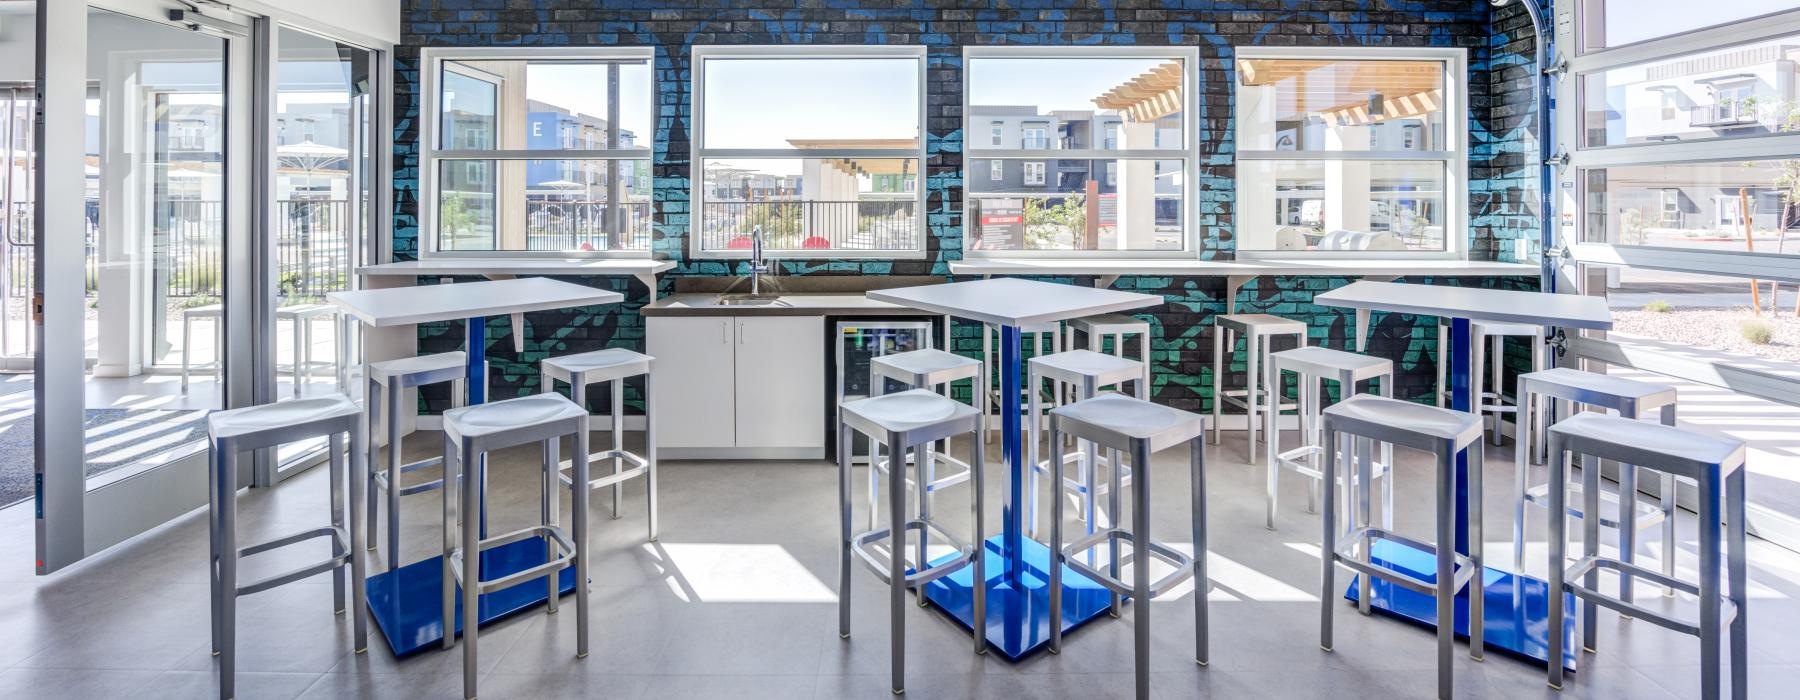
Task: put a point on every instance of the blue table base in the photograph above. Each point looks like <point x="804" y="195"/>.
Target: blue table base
<point x="1516" y="613"/>
<point x="1018" y="612"/>
<point x="407" y="602"/>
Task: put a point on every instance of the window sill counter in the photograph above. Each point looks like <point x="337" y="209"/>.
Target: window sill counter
<point x="1293" y="267"/>
<point x="644" y="269"/>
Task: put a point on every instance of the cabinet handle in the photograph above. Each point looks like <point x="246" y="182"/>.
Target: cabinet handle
<point x="740" y="327"/>
<point x="725" y="333"/>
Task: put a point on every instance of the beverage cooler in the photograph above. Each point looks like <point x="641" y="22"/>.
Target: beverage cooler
<point x="856" y="342"/>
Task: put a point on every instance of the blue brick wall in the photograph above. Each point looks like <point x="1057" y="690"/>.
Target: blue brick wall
<point x="1182" y="352"/>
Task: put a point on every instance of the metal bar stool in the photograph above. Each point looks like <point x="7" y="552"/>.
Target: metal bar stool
<point x="1083" y="372"/>
<point x="1039" y="339"/>
<point x="471" y="432"/>
<point x="909" y="420"/>
<point x="215" y="312"/>
<point x="256" y="427"/>
<point x="1139" y="428"/>
<point x="1631" y="399"/>
<point x="301" y="316"/>
<point x="1487" y="337"/>
<point x="1257" y="330"/>
<point x="1444" y="433"/>
<point x="1314" y="365"/>
<point x="613" y="365"/>
<point x="1118" y="327"/>
<point x="1716" y="466"/>
<point x="923" y="369"/>
<point x="387" y="383"/>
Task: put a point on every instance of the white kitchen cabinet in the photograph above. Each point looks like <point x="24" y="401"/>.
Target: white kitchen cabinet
<point x="739" y="386"/>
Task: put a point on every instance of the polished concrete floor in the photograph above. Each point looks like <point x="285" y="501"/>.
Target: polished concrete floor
<point x="738" y="599"/>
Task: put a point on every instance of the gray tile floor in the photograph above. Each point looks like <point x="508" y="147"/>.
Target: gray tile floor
<point x="738" y="599"/>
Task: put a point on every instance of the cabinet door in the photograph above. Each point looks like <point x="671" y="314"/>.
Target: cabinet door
<point x="694" y="380"/>
<point x="781" y="381"/>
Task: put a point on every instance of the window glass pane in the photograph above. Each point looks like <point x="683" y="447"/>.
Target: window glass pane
<point x="1339" y="105"/>
<point x="810" y="102"/>
<point x="546" y="105"/>
<point x="1741" y="91"/>
<point x="1061" y="103"/>
<point x="811" y="204"/>
<point x="1608" y="23"/>
<point x="1071" y="205"/>
<point x="1340" y="205"/>
<point x="1736" y="206"/>
<point x="544" y="205"/>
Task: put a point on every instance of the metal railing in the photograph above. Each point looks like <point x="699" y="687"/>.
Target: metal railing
<point x="864" y="224"/>
<point x="583" y="225"/>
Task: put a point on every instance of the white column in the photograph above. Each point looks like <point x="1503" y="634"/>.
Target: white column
<point x="1256" y="219"/>
<point x="124" y="256"/>
<point x="1137" y="189"/>
<point x="1347" y="181"/>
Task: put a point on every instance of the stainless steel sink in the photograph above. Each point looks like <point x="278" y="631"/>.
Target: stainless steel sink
<point x="751" y="299"/>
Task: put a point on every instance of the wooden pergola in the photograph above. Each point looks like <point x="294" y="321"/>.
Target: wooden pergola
<point x="1345" y="91"/>
<point x="860" y="166"/>
<point x="1150" y="96"/>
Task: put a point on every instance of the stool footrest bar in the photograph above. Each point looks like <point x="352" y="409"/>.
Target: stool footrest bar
<point x="339" y="538"/>
<point x="1462" y="568"/>
<point x="1183" y="564"/>
<point x="926" y="572"/>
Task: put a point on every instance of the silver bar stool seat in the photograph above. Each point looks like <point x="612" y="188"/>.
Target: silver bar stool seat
<point x="1313" y="365"/>
<point x="469" y="433"/>
<point x="923" y="369"/>
<point x="1081" y="372"/>
<point x="245" y="429"/>
<point x="1443" y="432"/>
<point x="387" y="382"/>
<point x="1140" y="429"/>
<point x="1716" y="465"/>
<point x="1631" y="399"/>
<point x="614" y="366"/>
<point x="909" y="420"/>
<point x="1487" y="338"/>
<point x="1117" y="327"/>
<point x="1257" y="331"/>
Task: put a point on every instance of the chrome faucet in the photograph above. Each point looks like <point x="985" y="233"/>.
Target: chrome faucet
<point x="757" y="265"/>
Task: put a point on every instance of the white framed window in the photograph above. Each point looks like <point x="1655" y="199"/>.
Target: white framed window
<point x="997" y="170"/>
<point x="1351" y="151"/>
<point x="502" y="132"/>
<point x="1104" y="157"/>
<point x="1033" y="173"/>
<point x="997" y="134"/>
<point x="818" y="149"/>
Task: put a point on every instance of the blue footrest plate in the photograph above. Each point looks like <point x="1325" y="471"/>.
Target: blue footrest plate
<point x="407" y="603"/>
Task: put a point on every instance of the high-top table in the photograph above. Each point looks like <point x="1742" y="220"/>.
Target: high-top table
<point x="1516" y="616"/>
<point x="406" y="602"/>
<point x="1018" y="568"/>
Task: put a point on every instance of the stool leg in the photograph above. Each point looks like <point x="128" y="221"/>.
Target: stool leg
<point x="359" y="565"/>
<point x="1254" y="346"/>
<point x="650" y="455"/>
<point x="1496" y="382"/>
<point x="1088" y="468"/>
<point x="1328" y="537"/>
<point x="1477" y="589"/>
<point x="1202" y="583"/>
<point x="1387" y="461"/>
<point x="335" y="461"/>
<point x="1114" y="515"/>
<point x="1666" y="500"/>
<point x="1360" y="516"/>
<point x="371" y="422"/>
<point x="471" y="583"/>
<point x="922" y="453"/>
<point x="1033" y="458"/>
<point x="228" y="558"/>
<point x="1271" y="476"/>
<point x="1523" y="430"/>
<point x="578" y="493"/>
<point x="897" y="562"/>
<point x="1590" y="547"/>
<point x="978" y="458"/>
<point x="1218" y="378"/>
<point x="618" y="442"/>
<point x="844" y="508"/>
<point x="1056" y="547"/>
<point x="1140" y="568"/>
<point x="1442" y="361"/>
<point x="294" y="364"/>
<point x="187" y="349"/>
<point x="213" y="498"/>
<point x="394" y="392"/>
<point x="1559" y="509"/>
<point x="549" y="469"/>
<point x="1628" y="474"/>
<point x="1710" y="564"/>
<point x="1446" y="559"/>
<point x="1737" y="578"/>
<point x="452" y="480"/>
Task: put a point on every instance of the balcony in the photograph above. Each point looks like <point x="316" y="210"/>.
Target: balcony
<point x="1722" y="115"/>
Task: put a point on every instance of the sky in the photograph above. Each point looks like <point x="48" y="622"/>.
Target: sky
<point x="1631" y="21"/>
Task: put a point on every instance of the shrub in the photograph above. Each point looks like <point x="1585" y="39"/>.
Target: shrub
<point x="1758" y="332"/>
<point x="1658" y="306"/>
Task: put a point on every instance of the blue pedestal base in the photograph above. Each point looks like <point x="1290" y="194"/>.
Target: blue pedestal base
<point x="1516" y="616"/>
<point x="407" y="602"/>
<point x="1018" y="612"/>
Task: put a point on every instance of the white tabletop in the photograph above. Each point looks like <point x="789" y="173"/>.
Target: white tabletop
<point x="1014" y="302"/>
<point x="398" y="306"/>
<point x="1537" y="308"/>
